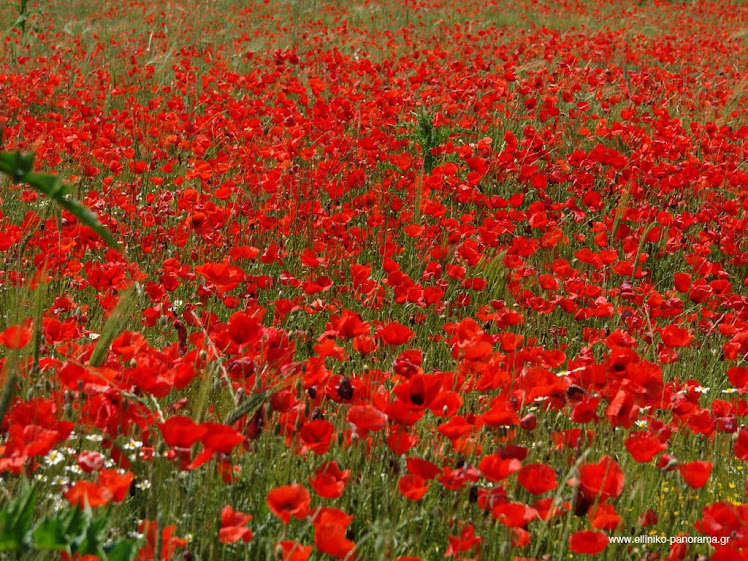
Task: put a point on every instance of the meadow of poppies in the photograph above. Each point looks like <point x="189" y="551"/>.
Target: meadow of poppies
<point x="385" y="280"/>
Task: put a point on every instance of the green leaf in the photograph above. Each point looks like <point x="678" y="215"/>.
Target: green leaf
<point x="8" y="538"/>
<point x="95" y="536"/>
<point x="50" y="534"/>
<point x="16" y="164"/>
<point x="88" y="218"/>
<point x="15" y="521"/>
<point x="126" y="550"/>
<point x="50" y="185"/>
<point x="77" y="527"/>
<point x="248" y="407"/>
<point x="24" y="514"/>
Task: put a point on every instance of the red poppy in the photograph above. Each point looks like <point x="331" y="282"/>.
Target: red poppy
<point x="604" y="517"/>
<point x="395" y="334"/>
<point x="412" y="486"/>
<point x="537" y="478"/>
<point x="182" y="432"/>
<point x="365" y="418"/>
<point x="674" y="336"/>
<point x="349" y="325"/>
<point x="117" y="483"/>
<point x="221" y="438"/>
<point x="167" y="542"/>
<point x="424" y="468"/>
<point x="446" y="404"/>
<point x="87" y="493"/>
<point x="127" y="344"/>
<point x="466" y="541"/>
<point x="233" y="526"/>
<point x="514" y="514"/>
<point x="294" y="551"/>
<point x="602" y="480"/>
<point x="649" y="518"/>
<point x="550" y="508"/>
<point x="16" y="337"/>
<point x="738" y="376"/>
<point x="400" y="440"/>
<point x="419" y="391"/>
<point x="330" y="532"/>
<point x="696" y="473"/>
<point x="289" y="500"/>
<point x="89" y="461"/>
<point x="588" y="542"/>
<point x="643" y="446"/>
<point x="316" y="436"/>
<point x="329" y="481"/>
<point x="497" y="468"/>
<point x="244" y="328"/>
<point x="741" y="445"/>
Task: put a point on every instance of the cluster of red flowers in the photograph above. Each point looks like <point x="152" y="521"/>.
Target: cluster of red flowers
<point x="486" y="253"/>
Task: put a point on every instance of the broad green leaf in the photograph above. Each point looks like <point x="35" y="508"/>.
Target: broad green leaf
<point x="77" y="527"/>
<point x="16" y="164"/>
<point x="8" y="538"/>
<point x="50" y="185"/>
<point x="15" y="521"/>
<point x="50" y="534"/>
<point x="24" y="514"/>
<point x="95" y="536"/>
<point x="125" y="550"/>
